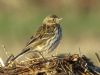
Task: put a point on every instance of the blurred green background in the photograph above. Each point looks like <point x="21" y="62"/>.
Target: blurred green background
<point x="19" y="19"/>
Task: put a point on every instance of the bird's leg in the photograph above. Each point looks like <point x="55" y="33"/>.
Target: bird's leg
<point x="41" y="54"/>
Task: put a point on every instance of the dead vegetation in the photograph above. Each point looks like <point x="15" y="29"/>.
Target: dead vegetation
<point x="54" y="65"/>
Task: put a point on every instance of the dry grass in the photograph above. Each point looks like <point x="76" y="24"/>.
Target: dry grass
<point x="54" y="65"/>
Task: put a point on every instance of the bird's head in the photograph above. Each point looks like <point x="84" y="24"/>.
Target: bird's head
<point x="51" y="20"/>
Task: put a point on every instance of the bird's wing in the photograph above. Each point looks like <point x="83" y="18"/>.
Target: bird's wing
<point x="42" y="34"/>
<point x="36" y="36"/>
<point x="32" y="39"/>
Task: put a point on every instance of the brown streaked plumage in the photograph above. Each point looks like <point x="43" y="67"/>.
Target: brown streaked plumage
<point x="46" y="38"/>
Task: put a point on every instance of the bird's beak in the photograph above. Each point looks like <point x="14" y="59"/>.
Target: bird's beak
<point x="60" y="19"/>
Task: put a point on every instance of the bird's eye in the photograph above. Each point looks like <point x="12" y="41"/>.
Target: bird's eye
<point x="53" y="19"/>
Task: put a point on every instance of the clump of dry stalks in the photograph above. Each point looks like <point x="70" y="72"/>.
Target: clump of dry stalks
<point x="54" y="65"/>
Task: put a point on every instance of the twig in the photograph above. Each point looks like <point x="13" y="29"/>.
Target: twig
<point x="2" y="63"/>
<point x="63" y="68"/>
<point x="3" y="46"/>
<point x="98" y="57"/>
<point x="79" y="51"/>
<point x="56" y="66"/>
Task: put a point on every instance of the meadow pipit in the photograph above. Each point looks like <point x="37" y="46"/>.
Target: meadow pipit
<point x="46" y="38"/>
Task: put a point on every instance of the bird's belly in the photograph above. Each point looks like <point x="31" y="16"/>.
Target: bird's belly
<point x="55" y="40"/>
<point x="49" y="44"/>
<point x="52" y="43"/>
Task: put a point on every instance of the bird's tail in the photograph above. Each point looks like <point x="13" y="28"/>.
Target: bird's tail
<point x="18" y="55"/>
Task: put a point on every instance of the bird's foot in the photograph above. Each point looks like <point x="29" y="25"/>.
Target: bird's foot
<point x="41" y="54"/>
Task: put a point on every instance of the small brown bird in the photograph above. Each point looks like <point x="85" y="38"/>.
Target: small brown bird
<point x="46" y="38"/>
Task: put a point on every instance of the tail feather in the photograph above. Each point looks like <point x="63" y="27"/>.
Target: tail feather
<point x="23" y="51"/>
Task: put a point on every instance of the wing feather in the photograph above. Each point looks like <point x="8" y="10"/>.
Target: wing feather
<point x="42" y="33"/>
<point x="36" y="36"/>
